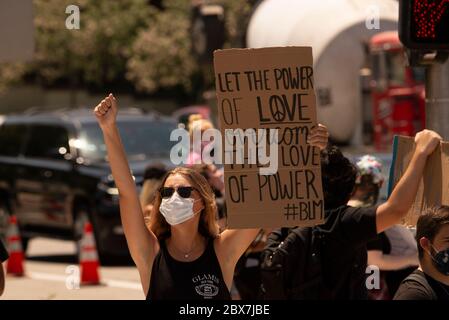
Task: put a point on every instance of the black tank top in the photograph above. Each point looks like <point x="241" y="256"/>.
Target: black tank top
<point x="196" y="280"/>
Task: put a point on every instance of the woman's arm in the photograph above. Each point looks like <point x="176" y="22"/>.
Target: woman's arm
<point x="142" y="243"/>
<point x="234" y="242"/>
<point x="403" y="195"/>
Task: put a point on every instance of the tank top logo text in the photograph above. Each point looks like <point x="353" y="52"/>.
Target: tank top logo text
<point x="206" y="285"/>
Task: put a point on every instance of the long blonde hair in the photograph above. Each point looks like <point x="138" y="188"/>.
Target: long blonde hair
<point x="208" y="226"/>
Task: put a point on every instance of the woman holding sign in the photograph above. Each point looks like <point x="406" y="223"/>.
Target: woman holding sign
<point x="183" y="256"/>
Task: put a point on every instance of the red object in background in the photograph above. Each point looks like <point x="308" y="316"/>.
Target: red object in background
<point x="397" y="92"/>
<point x="89" y="257"/>
<point x="183" y="114"/>
<point x="397" y="112"/>
<point x="14" y="265"/>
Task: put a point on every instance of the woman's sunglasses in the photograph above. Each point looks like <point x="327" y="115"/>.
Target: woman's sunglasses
<point x="184" y="192"/>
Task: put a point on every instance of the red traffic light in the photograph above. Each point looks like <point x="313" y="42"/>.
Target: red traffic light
<point x="424" y="24"/>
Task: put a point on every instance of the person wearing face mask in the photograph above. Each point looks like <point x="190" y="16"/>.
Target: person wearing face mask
<point x="329" y="261"/>
<point x="431" y="280"/>
<point x="182" y="255"/>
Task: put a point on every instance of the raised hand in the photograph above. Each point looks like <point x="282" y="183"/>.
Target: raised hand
<point x="426" y="141"/>
<point x="106" y="112"/>
<point x="318" y="137"/>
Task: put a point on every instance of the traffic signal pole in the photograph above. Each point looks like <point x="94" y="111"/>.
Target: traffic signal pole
<point x="424" y="31"/>
<point x="437" y="98"/>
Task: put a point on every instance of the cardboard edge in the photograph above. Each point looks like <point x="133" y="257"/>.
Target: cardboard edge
<point x="392" y="166"/>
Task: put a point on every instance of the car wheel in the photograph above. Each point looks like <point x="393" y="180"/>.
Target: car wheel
<point x="82" y="215"/>
<point x="80" y="219"/>
<point x="25" y="242"/>
<point x="5" y="214"/>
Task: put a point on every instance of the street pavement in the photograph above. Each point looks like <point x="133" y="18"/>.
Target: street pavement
<point x="52" y="273"/>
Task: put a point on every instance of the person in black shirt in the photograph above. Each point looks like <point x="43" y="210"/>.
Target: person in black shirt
<point x="431" y="280"/>
<point x="393" y="267"/>
<point x="347" y="230"/>
<point x="182" y="255"/>
<point x="3" y="257"/>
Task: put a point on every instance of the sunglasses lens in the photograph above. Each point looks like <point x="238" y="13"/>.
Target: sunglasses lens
<point x="185" y="192"/>
<point x="167" y="192"/>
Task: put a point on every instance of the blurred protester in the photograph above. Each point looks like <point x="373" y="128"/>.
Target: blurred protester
<point x="393" y="267"/>
<point x="197" y="123"/>
<point x="329" y="261"/>
<point x="431" y="280"/>
<point x="152" y="178"/>
<point x="182" y="256"/>
<point x="3" y="257"/>
<point x="368" y="183"/>
<point x="214" y="176"/>
<point x="216" y="180"/>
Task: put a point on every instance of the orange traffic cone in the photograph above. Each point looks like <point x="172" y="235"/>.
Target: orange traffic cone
<point x="16" y="256"/>
<point x="89" y="257"/>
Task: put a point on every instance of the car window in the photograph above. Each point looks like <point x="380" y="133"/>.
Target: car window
<point x="48" y="142"/>
<point x="142" y="139"/>
<point x="12" y="137"/>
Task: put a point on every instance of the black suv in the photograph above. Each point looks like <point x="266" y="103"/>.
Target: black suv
<point x="54" y="173"/>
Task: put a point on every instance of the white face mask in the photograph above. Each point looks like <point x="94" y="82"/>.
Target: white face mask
<point x="177" y="209"/>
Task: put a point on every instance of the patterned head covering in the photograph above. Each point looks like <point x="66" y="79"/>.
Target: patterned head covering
<point x="369" y="165"/>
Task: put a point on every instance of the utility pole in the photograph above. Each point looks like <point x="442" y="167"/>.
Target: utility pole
<point x="423" y="29"/>
<point x="437" y="98"/>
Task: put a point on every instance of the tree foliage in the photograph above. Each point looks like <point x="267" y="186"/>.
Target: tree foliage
<point x="127" y="43"/>
<point x="161" y="55"/>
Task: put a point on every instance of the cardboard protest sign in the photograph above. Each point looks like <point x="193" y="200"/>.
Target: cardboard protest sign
<point x="434" y="186"/>
<point x="271" y="89"/>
